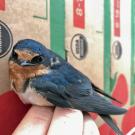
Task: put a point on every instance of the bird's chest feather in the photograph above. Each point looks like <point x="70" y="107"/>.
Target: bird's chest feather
<point x="30" y="96"/>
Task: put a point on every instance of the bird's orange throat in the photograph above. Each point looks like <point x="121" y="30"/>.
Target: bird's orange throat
<point x="19" y="74"/>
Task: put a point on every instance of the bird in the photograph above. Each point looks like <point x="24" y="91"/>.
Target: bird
<point x="41" y="77"/>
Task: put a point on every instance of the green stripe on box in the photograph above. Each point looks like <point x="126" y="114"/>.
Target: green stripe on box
<point x="132" y="98"/>
<point x="57" y="26"/>
<point x="107" y="40"/>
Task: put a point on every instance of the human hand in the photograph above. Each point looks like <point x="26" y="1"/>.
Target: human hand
<point x="56" y="121"/>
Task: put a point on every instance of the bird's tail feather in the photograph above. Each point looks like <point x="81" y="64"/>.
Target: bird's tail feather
<point x="111" y="123"/>
<point x="105" y="94"/>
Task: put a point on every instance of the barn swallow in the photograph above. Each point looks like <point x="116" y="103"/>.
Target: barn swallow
<point x="41" y="77"/>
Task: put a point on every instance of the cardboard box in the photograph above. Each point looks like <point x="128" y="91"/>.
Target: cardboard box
<point x="122" y="47"/>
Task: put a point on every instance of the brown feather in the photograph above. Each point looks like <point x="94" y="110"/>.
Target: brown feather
<point x="19" y="74"/>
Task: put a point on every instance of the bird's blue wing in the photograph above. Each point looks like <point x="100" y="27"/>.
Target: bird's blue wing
<point x="88" y="100"/>
<point x="52" y="88"/>
<point x="79" y="96"/>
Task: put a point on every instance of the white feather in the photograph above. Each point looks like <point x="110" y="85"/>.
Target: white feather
<point x="30" y="96"/>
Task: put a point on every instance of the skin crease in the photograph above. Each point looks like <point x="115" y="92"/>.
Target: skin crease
<point x="35" y="122"/>
<point x="58" y="121"/>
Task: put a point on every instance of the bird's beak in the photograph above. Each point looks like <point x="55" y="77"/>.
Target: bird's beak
<point x="26" y="63"/>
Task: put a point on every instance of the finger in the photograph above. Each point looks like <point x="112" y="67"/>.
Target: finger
<point x="90" y="128"/>
<point x="66" y="122"/>
<point x="35" y="122"/>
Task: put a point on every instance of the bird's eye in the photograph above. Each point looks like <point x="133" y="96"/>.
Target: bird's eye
<point x="15" y="55"/>
<point x="37" y="59"/>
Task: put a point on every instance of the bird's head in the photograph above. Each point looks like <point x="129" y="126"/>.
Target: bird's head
<point x="30" y="58"/>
